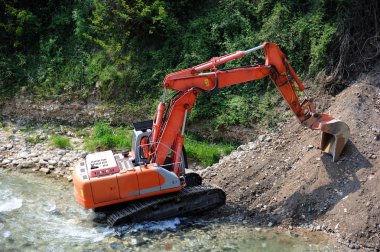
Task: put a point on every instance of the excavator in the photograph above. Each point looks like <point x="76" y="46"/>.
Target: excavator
<point x="149" y="182"/>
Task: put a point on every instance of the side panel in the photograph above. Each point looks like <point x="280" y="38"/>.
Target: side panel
<point x="128" y="184"/>
<point x="82" y="188"/>
<point x="105" y="189"/>
<point x="168" y="179"/>
<point x="148" y="179"/>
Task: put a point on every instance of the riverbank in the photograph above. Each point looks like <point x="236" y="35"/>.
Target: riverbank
<point x="31" y="149"/>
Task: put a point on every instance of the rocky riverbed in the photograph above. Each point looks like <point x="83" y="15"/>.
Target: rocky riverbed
<point x="29" y="149"/>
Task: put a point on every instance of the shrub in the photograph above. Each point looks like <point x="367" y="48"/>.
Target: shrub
<point x="105" y="137"/>
<point x="204" y="152"/>
<point x="60" y="142"/>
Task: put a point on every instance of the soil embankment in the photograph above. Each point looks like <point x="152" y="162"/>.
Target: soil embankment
<point x="283" y="179"/>
<point x="28" y="110"/>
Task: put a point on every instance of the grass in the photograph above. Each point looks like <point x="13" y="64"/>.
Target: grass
<point x="104" y="137"/>
<point x="60" y="142"/>
<point x="33" y="140"/>
<point x="206" y="153"/>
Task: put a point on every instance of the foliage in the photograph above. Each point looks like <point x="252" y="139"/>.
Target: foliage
<point x="248" y="109"/>
<point x="104" y="137"/>
<point x="119" y="51"/>
<point x="60" y="142"/>
<point x="206" y="153"/>
<point x="34" y="139"/>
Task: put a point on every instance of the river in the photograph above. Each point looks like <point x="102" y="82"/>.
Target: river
<point x="40" y="214"/>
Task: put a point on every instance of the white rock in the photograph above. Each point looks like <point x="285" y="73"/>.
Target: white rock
<point x="9" y="146"/>
<point x="32" y="155"/>
<point x="252" y="146"/>
<point x="45" y="170"/>
<point x="26" y="164"/>
<point x="52" y="162"/>
<point x="42" y="162"/>
<point x="61" y="152"/>
<point x="6" y="161"/>
<point x="242" y="148"/>
<point x="16" y="161"/>
<point x="23" y="154"/>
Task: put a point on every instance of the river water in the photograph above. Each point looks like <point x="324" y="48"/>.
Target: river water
<point x="40" y="214"/>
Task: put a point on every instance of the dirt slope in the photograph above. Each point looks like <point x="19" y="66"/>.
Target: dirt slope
<point x="283" y="179"/>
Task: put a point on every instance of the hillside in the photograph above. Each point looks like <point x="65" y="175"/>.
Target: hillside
<point x="282" y="178"/>
<point x="117" y="53"/>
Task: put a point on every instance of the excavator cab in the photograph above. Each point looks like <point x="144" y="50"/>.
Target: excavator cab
<point x="140" y="147"/>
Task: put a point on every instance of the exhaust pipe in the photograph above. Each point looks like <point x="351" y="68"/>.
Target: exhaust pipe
<point x="335" y="133"/>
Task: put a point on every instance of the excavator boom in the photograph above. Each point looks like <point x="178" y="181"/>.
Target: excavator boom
<point x="189" y="82"/>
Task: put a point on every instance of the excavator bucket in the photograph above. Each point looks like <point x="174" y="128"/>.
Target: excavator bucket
<point x="335" y="134"/>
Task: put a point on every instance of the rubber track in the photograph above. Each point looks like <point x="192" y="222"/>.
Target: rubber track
<point x="190" y="200"/>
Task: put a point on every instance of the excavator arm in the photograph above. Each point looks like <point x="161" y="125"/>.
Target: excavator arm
<point x="169" y="123"/>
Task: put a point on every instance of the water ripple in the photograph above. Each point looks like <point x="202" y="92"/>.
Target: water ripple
<point x="8" y="202"/>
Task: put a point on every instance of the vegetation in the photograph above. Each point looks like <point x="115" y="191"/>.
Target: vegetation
<point x="34" y="139"/>
<point x="205" y="153"/>
<point x="119" y="51"/>
<point x="60" y="142"/>
<point x="104" y="137"/>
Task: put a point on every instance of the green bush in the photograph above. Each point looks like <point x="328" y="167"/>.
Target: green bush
<point x="60" y="142"/>
<point x="204" y="152"/>
<point x="104" y="138"/>
<point x="126" y="48"/>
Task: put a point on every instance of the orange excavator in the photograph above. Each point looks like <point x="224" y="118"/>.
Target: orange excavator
<point x="149" y="182"/>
